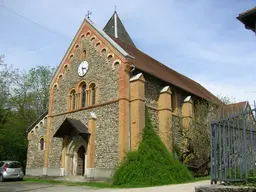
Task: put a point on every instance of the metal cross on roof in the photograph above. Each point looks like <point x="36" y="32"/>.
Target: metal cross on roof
<point x="88" y="14"/>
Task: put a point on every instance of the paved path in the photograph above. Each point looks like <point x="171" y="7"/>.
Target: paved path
<point x="27" y="187"/>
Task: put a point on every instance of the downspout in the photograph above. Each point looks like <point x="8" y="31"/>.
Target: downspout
<point x="129" y="109"/>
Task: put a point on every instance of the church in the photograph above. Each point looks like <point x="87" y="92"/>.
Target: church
<point x="97" y="102"/>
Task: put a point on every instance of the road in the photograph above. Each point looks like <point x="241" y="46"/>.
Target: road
<point x="27" y="187"/>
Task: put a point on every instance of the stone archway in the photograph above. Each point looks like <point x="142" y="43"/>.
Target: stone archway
<point x="80" y="161"/>
<point x="76" y="157"/>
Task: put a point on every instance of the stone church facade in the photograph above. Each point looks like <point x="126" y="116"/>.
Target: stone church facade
<point x="97" y="103"/>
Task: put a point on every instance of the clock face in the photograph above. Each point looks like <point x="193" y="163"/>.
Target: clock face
<point x="82" y="68"/>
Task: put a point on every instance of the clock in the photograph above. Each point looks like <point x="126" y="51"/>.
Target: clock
<point x="82" y="68"/>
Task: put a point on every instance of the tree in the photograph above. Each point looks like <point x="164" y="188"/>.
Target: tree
<point x="196" y="139"/>
<point x="39" y="79"/>
<point x="7" y="74"/>
<point x="31" y="92"/>
<point x="24" y="96"/>
<point x="196" y="152"/>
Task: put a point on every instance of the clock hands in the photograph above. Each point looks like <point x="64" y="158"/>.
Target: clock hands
<point x="82" y="69"/>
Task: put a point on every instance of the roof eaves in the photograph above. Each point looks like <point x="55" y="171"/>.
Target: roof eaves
<point x="213" y="98"/>
<point x="246" y="13"/>
<point x="110" y="40"/>
<point x="73" y="40"/>
<point x="37" y="120"/>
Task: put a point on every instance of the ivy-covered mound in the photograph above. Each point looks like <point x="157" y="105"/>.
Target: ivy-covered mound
<point x="151" y="164"/>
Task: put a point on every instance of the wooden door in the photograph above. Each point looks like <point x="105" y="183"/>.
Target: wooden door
<point x="80" y="161"/>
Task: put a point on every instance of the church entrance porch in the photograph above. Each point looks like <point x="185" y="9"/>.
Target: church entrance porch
<point x="74" y="149"/>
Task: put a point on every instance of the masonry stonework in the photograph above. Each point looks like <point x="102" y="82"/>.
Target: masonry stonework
<point x="177" y="134"/>
<point x="99" y="132"/>
<point x="106" y="135"/>
<point x="153" y="87"/>
<point x="100" y="71"/>
<point x="34" y="153"/>
<point x="153" y="115"/>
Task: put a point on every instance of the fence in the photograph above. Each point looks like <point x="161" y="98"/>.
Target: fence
<point x="232" y="140"/>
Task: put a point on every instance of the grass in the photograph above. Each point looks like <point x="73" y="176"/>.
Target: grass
<point x="95" y="184"/>
<point x="69" y="183"/>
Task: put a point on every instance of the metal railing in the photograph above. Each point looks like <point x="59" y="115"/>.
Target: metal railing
<point x="232" y="140"/>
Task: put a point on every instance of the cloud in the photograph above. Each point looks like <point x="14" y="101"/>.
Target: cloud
<point x="200" y="39"/>
<point x="236" y="92"/>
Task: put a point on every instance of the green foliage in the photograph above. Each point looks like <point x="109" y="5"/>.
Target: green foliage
<point x="151" y="164"/>
<point x="13" y="143"/>
<point x="24" y="96"/>
<point x="30" y="96"/>
<point x="96" y="184"/>
<point x="68" y="183"/>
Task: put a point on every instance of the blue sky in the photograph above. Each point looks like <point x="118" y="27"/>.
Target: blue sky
<point x="200" y="39"/>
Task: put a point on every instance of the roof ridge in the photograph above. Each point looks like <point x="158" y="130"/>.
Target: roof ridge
<point x="159" y="63"/>
<point x="170" y="69"/>
<point x="240" y="102"/>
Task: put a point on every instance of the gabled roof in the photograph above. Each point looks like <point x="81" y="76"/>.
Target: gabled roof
<point x="101" y="33"/>
<point x="248" y="18"/>
<point x="248" y="12"/>
<point x="115" y="28"/>
<point x="229" y="109"/>
<point x="149" y="65"/>
<point x="235" y="109"/>
<point x="69" y="125"/>
<point x="36" y="121"/>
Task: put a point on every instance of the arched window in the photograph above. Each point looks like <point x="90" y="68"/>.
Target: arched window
<point x="73" y="100"/>
<point x="83" y="92"/>
<point x="93" y="93"/>
<point x="84" y="55"/>
<point x="42" y="144"/>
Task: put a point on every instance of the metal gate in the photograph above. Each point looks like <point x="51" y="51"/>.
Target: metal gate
<point x="232" y="140"/>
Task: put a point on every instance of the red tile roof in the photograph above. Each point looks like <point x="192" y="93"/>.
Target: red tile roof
<point x="229" y="110"/>
<point x="149" y="65"/>
<point x="234" y="108"/>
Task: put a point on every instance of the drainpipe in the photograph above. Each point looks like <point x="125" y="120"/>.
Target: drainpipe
<point x="129" y="109"/>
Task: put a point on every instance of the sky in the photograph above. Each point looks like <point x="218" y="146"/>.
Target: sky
<point x="201" y="39"/>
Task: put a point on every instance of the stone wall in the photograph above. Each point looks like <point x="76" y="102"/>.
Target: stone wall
<point x="153" y="115"/>
<point x="35" y="156"/>
<point x="176" y="134"/>
<point x="100" y="71"/>
<point x="153" y="87"/>
<point x="106" y="141"/>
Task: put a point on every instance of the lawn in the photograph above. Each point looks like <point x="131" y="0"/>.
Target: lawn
<point x="93" y="184"/>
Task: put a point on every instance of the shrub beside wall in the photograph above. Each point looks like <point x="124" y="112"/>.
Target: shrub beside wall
<point x="151" y="164"/>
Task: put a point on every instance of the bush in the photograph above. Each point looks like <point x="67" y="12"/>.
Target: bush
<point x="151" y="164"/>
